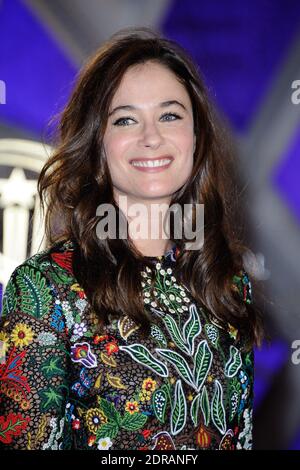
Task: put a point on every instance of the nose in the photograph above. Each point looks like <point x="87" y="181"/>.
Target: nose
<point x="150" y="135"/>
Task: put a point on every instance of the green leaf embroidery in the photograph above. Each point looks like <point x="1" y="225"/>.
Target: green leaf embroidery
<point x="204" y="403"/>
<point x="50" y="398"/>
<point x="9" y="298"/>
<point x="133" y="422"/>
<point x="249" y="358"/>
<point x="217" y="408"/>
<point x="192" y="328"/>
<point x="159" y="403"/>
<point x="60" y="276"/>
<point x="203" y="360"/>
<point x="175" y="334"/>
<point x="11" y="426"/>
<point x="109" y="410"/>
<point x="52" y="366"/>
<point x="107" y="430"/>
<point x="143" y="356"/>
<point x="179" y="410"/>
<point x="88" y="334"/>
<point x="35" y="295"/>
<point x="179" y="363"/>
<point x="195" y="409"/>
<point x="234" y="362"/>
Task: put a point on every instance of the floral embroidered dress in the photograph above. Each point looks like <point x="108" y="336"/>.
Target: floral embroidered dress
<point x="63" y="386"/>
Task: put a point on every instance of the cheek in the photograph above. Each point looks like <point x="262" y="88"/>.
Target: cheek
<point x="183" y="136"/>
<point x="115" y="147"/>
<point x="185" y="145"/>
<point x="185" y="168"/>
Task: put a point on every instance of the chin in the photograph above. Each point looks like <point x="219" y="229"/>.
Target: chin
<point x="165" y="193"/>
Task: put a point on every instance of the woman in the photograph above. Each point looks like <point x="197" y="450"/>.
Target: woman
<point x="132" y="343"/>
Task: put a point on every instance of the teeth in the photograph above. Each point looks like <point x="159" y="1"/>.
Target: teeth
<point x="152" y="163"/>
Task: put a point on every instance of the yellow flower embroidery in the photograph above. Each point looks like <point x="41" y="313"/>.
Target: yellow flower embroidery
<point x="132" y="407"/>
<point x="94" y="419"/>
<point x="149" y="385"/>
<point x="22" y="335"/>
<point x="142" y="397"/>
<point x="25" y="405"/>
<point x="17" y="396"/>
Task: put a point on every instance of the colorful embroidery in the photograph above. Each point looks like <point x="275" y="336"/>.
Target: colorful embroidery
<point x="186" y="386"/>
<point x="11" y="426"/>
<point x="81" y="352"/>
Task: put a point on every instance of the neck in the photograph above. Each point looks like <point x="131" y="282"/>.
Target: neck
<point x="153" y="247"/>
<point x="146" y="224"/>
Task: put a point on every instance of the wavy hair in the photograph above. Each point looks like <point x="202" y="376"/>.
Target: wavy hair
<point x="76" y="179"/>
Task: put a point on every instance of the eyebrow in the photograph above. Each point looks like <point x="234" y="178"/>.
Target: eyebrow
<point x="164" y="104"/>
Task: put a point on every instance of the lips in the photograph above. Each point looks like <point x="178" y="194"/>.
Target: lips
<point x="152" y="165"/>
<point x="143" y="159"/>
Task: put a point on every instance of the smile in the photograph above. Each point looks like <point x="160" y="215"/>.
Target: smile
<point x="152" y="165"/>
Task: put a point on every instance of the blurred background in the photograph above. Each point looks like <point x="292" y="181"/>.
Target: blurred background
<point x="249" y="55"/>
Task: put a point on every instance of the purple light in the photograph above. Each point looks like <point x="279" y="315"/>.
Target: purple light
<point x="33" y="66"/>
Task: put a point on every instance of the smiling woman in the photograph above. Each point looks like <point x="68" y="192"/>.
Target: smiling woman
<point x="149" y="143"/>
<point x="130" y="343"/>
<point x="150" y="146"/>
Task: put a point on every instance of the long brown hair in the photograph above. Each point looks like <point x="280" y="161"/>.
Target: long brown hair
<point x="76" y="179"/>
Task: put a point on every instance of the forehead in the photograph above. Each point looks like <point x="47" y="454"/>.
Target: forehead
<point x="149" y="81"/>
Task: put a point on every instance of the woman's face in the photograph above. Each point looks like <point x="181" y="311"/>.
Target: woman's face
<point x="150" y="123"/>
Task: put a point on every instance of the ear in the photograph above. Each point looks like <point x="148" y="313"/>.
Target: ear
<point x="195" y="140"/>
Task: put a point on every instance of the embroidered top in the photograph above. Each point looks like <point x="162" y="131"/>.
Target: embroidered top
<point x="63" y="386"/>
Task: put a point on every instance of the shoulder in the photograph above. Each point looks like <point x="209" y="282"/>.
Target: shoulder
<point x="53" y="261"/>
<point x="34" y="286"/>
<point x="35" y="350"/>
<point x="58" y="258"/>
